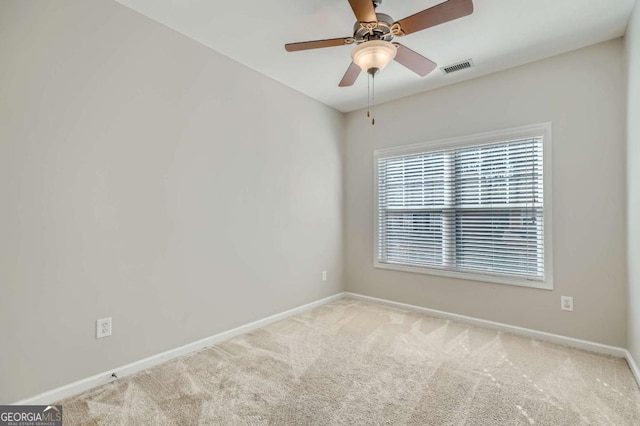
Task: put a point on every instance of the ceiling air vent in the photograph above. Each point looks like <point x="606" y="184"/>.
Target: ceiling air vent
<point x="457" y="66"/>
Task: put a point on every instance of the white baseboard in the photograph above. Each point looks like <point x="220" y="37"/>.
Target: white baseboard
<point x="527" y="332"/>
<point x="134" y="367"/>
<point x="539" y="335"/>
<point x="633" y="366"/>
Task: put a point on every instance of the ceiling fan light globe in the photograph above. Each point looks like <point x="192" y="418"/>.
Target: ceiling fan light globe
<point x="373" y="54"/>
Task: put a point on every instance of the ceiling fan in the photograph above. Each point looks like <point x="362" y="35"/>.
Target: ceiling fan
<point x="373" y="32"/>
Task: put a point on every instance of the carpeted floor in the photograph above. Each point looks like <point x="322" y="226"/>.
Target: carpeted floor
<point x="350" y="362"/>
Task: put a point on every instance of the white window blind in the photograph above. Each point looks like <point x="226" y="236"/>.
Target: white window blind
<point x="475" y="209"/>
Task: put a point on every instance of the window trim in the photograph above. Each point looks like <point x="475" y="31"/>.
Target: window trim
<point x="505" y="135"/>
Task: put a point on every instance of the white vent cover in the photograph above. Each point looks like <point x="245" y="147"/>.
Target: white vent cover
<point x="458" y="66"/>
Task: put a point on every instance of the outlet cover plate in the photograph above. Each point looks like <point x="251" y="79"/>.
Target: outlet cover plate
<point x="566" y="303"/>
<point x="103" y="328"/>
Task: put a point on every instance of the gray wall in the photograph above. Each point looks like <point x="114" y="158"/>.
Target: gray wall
<point x="582" y="94"/>
<point x="148" y="178"/>
<point x="632" y="51"/>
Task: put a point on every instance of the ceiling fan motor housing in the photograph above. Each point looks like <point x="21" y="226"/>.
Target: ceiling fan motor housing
<point x="363" y="31"/>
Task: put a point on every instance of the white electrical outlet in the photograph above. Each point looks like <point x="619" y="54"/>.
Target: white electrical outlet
<point x="324" y="275"/>
<point x="103" y="328"/>
<point x="566" y="303"/>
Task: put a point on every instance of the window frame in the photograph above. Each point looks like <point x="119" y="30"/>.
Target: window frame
<point x="498" y="136"/>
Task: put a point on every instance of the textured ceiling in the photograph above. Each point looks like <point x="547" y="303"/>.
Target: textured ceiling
<point x="499" y="34"/>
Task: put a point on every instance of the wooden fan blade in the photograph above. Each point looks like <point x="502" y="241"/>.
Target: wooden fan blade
<point x="316" y="44"/>
<point x="414" y="61"/>
<point x="350" y="76"/>
<point x="436" y="15"/>
<point x="364" y="10"/>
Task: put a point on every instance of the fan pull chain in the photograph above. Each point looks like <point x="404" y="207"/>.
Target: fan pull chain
<point x="368" y="95"/>
<point x="373" y="99"/>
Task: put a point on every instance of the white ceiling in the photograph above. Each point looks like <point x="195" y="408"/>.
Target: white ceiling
<point x="499" y="34"/>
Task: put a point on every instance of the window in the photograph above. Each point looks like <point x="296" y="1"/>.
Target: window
<point x="475" y="207"/>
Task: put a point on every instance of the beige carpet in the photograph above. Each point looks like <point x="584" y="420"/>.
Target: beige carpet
<point x="350" y="362"/>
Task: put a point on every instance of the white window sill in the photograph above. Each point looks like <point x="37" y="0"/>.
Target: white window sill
<point x="547" y="284"/>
